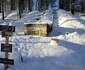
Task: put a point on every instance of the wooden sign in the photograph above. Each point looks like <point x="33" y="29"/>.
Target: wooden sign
<point x="6" y="47"/>
<point x="7" y="61"/>
<point x="5" y="34"/>
<point x="6" y="28"/>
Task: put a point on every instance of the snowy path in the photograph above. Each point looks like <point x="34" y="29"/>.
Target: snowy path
<point x="43" y="54"/>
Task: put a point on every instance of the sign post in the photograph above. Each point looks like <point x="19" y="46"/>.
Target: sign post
<point x="6" y="53"/>
<point x="6" y="32"/>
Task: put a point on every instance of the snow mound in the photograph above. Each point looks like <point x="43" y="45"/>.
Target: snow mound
<point x="73" y="37"/>
<point x="66" y="19"/>
<point x="37" y="17"/>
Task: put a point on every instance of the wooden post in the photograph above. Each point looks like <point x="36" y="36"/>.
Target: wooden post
<point x="6" y="53"/>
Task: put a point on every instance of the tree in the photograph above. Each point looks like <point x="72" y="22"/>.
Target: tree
<point x="0" y="6"/>
<point x="12" y="4"/>
<point x="82" y="6"/>
<point x="43" y="5"/>
<point x="23" y="5"/>
<point x="2" y="2"/>
<point x="19" y="8"/>
<point x="61" y="4"/>
<point x="72" y="6"/>
<point x="67" y="5"/>
<point x="30" y="5"/>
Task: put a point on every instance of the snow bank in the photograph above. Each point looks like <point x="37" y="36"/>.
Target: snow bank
<point x="42" y="53"/>
<point x="13" y="15"/>
<point x="66" y="19"/>
<point x="47" y="17"/>
<point x="73" y="38"/>
<point x="16" y="55"/>
<point x="37" y="17"/>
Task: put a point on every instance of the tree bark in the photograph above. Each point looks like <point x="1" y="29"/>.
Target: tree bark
<point x="2" y="10"/>
<point x="0" y="6"/>
<point x="30" y="5"/>
<point x="12" y="4"/>
<point x="61" y="4"/>
<point x="72" y="6"/>
<point x="19" y="8"/>
<point x="67" y="5"/>
<point x="43" y="5"/>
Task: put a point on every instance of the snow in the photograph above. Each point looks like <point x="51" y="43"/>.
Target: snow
<point x="67" y="20"/>
<point x="37" y="17"/>
<point x="42" y="53"/>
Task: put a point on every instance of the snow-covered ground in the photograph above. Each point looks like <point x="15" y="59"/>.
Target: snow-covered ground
<point x="42" y="53"/>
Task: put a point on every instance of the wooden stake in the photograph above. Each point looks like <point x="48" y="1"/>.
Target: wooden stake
<point x="6" y="53"/>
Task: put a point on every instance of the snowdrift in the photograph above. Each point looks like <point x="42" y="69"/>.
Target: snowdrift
<point x="66" y="19"/>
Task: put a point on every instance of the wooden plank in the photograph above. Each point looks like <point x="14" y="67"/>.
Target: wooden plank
<point x="6" y="28"/>
<point x="7" y="61"/>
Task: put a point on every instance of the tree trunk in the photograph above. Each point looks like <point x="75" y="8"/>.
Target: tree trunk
<point x="72" y="6"/>
<point x="30" y="5"/>
<point x="20" y="8"/>
<point x="42" y="5"/>
<point x="67" y="5"/>
<point x="22" y="4"/>
<point x="61" y="4"/>
<point x="82" y="6"/>
<point x="0" y="6"/>
<point x="2" y="10"/>
<point x="12" y="4"/>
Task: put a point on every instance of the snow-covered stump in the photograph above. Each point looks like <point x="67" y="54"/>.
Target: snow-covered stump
<point x="37" y="29"/>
